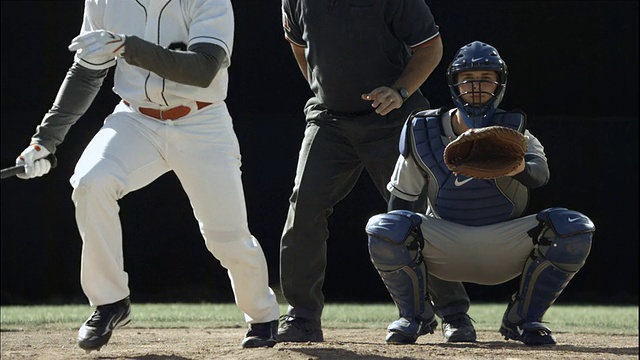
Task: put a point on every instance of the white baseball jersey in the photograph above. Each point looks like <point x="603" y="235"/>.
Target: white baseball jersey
<point x="163" y="22"/>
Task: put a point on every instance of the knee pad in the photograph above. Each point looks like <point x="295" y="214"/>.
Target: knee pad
<point x="563" y="237"/>
<point x="395" y="242"/>
<point x="395" y="239"/>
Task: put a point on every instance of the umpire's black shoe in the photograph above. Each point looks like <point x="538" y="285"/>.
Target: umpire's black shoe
<point x="261" y="335"/>
<point x="96" y="331"/>
<point x="458" y="328"/>
<point x="529" y="332"/>
<point x="406" y="331"/>
<point x="297" y="329"/>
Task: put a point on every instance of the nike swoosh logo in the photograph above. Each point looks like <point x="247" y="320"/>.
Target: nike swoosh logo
<point x="113" y="323"/>
<point x="520" y="331"/>
<point x="460" y="183"/>
<point x="573" y="219"/>
<point x="477" y="59"/>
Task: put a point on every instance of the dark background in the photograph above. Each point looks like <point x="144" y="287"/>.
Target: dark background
<point x="573" y="69"/>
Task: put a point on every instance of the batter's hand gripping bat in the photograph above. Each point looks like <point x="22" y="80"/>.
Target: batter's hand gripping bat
<point x="19" y="169"/>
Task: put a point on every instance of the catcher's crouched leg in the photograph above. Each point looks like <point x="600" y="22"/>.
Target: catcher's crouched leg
<point x="563" y="239"/>
<point x="395" y="242"/>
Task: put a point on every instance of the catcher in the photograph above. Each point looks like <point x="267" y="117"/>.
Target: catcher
<point x="474" y="229"/>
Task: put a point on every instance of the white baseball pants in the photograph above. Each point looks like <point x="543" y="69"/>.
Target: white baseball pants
<point x="129" y="152"/>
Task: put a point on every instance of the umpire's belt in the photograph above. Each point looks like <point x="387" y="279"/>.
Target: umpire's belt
<point x="169" y="114"/>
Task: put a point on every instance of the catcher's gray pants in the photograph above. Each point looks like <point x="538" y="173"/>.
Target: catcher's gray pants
<point x="334" y="152"/>
<point x="487" y="255"/>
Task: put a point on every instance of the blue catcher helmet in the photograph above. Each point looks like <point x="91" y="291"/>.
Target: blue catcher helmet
<point x="477" y="56"/>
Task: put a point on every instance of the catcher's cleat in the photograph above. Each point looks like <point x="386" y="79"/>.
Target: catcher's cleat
<point x="458" y="328"/>
<point x="529" y="332"/>
<point x="405" y="331"/>
<point x="297" y="329"/>
<point x="96" y="331"/>
<point x="261" y="335"/>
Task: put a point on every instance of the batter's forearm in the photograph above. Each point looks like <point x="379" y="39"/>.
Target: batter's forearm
<point x="197" y="66"/>
<point x="75" y="95"/>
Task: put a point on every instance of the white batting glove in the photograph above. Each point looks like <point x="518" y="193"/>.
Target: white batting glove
<point x="97" y="43"/>
<point x="33" y="159"/>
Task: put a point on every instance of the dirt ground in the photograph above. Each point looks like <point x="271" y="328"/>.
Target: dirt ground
<point x="348" y="344"/>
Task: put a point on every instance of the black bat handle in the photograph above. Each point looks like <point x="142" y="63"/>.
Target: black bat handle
<point x="19" y="169"/>
<point x="12" y="171"/>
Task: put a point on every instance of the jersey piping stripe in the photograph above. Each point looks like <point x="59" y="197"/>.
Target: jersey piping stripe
<point x="158" y="42"/>
<point x="146" y="15"/>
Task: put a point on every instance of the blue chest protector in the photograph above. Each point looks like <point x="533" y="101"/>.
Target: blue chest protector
<point x="460" y="199"/>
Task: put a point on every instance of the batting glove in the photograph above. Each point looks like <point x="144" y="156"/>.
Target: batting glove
<point x="33" y="159"/>
<point x="97" y="43"/>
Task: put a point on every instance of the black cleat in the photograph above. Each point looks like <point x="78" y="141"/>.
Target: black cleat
<point x="404" y="331"/>
<point x="458" y="328"/>
<point x="96" y="331"/>
<point x="529" y="332"/>
<point x="261" y="335"/>
<point x="297" y="329"/>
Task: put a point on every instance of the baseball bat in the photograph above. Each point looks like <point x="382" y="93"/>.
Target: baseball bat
<point x="19" y="169"/>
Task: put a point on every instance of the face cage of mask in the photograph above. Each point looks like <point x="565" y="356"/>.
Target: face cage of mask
<point x="476" y="105"/>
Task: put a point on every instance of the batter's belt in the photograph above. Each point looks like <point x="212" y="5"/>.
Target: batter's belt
<point x="169" y="114"/>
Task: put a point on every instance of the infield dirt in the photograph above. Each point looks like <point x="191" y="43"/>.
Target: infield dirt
<point x="347" y="344"/>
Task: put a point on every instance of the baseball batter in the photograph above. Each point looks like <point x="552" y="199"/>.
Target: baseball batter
<point x="171" y="60"/>
<point x="474" y="230"/>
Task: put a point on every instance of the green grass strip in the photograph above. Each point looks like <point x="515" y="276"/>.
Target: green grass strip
<point x="587" y="319"/>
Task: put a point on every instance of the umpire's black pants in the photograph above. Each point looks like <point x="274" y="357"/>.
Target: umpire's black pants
<point x="334" y="152"/>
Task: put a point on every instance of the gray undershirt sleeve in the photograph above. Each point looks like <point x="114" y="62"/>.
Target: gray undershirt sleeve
<point x="395" y="203"/>
<point x="535" y="174"/>
<point x="75" y="95"/>
<point x="197" y="66"/>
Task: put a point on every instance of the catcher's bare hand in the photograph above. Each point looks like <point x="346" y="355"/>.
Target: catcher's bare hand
<point x="384" y="99"/>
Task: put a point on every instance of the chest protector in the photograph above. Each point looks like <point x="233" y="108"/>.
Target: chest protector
<point x="461" y="199"/>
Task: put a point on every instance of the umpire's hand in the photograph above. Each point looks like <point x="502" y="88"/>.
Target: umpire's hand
<point x="384" y="99"/>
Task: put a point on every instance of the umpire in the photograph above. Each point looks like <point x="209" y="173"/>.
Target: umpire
<point x="365" y="65"/>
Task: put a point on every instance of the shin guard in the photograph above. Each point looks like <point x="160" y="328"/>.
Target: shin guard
<point x="563" y="241"/>
<point x="395" y="242"/>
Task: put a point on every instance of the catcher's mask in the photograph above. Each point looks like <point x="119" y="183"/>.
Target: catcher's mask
<point x="477" y="56"/>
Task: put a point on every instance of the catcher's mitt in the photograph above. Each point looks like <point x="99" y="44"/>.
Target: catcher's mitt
<point x="486" y="153"/>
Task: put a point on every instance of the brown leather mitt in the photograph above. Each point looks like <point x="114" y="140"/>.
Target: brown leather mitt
<point x="486" y="153"/>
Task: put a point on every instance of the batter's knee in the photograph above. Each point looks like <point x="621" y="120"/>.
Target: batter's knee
<point x="230" y="244"/>
<point x="96" y="183"/>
